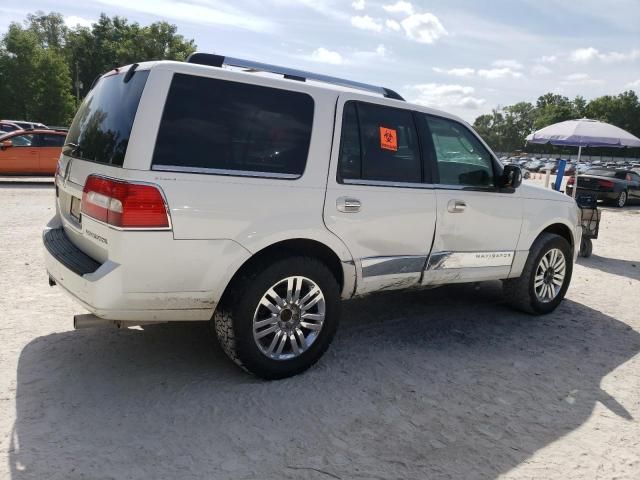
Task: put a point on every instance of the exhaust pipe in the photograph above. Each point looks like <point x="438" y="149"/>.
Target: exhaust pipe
<point x="89" y="320"/>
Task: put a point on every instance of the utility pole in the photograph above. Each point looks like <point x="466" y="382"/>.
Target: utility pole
<point x="78" y="83"/>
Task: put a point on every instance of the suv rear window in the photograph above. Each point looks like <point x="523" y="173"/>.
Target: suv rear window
<point x="101" y="128"/>
<point x="218" y="126"/>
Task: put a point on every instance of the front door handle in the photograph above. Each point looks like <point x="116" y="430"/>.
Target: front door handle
<point x="456" y="206"/>
<point x="348" y="205"/>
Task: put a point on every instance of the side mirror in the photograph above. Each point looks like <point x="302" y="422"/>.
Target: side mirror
<point x="6" y="144"/>
<point x="511" y="177"/>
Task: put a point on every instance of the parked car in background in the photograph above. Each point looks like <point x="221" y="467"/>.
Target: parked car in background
<point x="615" y="186"/>
<point x="26" y="125"/>
<point x="534" y="165"/>
<point x="30" y="152"/>
<point x="6" y="127"/>
<point x="583" y="167"/>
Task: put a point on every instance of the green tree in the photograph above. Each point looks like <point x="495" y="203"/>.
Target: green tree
<point x="622" y="111"/>
<point x="35" y="80"/>
<point x="113" y="42"/>
<point x="40" y="61"/>
<point x="552" y="108"/>
<point x="50" y="29"/>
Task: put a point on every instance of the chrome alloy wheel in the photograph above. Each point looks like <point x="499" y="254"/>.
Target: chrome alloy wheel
<point x="550" y="275"/>
<point x="289" y="318"/>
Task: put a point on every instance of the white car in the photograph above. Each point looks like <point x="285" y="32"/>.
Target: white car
<point x="205" y="190"/>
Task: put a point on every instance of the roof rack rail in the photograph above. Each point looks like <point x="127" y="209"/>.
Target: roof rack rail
<point x="214" y="60"/>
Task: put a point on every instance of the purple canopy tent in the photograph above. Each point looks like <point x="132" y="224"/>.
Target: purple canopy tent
<point x="584" y="133"/>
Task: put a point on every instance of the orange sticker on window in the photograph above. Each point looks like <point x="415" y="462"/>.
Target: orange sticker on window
<point x="388" y="139"/>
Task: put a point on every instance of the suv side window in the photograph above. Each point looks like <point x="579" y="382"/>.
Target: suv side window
<point x="218" y="126"/>
<point x="380" y="144"/>
<point x="461" y="158"/>
<point x="22" y="140"/>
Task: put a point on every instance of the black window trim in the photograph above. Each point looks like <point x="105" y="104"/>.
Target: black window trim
<point x="381" y="183"/>
<point x="229" y="172"/>
<point x="496" y="166"/>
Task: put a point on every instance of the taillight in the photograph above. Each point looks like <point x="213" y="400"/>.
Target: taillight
<point x="605" y="183"/>
<point x="124" y="204"/>
<point x="571" y="180"/>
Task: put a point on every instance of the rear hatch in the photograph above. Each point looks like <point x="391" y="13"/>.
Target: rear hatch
<point x="96" y="144"/>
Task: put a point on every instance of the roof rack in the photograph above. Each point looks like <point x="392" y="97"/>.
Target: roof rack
<point x="214" y="60"/>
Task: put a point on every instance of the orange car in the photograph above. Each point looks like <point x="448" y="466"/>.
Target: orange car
<point x="30" y="152"/>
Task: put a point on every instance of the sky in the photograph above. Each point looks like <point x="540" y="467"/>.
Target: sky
<point x="462" y="56"/>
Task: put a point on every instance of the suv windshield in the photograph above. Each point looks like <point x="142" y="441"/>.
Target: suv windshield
<point x="101" y="128"/>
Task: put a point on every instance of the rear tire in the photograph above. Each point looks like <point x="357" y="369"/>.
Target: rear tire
<point x="526" y="293"/>
<point x="249" y="310"/>
<point x="586" y="247"/>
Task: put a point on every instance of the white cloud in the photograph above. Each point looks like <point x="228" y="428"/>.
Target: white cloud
<point x="366" y="23"/>
<point x="456" y="72"/>
<point x="399" y="7"/>
<point x="586" y="55"/>
<point x="213" y="12"/>
<point x="423" y="27"/>
<point x="495" y="73"/>
<point x="392" y="25"/>
<point x="327" y="56"/>
<point x="380" y="52"/>
<point x="73" y="21"/>
<point x="358" y="4"/>
<point x="580" y="79"/>
<point x="583" y="55"/>
<point x="635" y="84"/>
<point x="540" y="70"/>
<point x="548" y="59"/>
<point x="620" y="57"/>
<point x="513" y="64"/>
<point x="439" y="95"/>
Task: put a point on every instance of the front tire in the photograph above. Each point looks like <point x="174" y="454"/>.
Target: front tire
<point x="545" y="277"/>
<point x="278" y="320"/>
<point x="621" y="201"/>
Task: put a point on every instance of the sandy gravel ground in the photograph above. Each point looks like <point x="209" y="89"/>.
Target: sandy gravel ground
<point x="439" y="384"/>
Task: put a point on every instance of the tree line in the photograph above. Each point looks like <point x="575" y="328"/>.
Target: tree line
<point x="47" y="66"/>
<point x="505" y="129"/>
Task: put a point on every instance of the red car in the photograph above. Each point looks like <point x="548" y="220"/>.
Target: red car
<point x="30" y="152"/>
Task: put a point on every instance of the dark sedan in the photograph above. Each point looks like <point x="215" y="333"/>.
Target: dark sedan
<point x="611" y="185"/>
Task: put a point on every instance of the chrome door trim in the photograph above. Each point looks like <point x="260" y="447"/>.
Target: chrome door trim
<point x="225" y="172"/>
<point x="382" y="183"/>
<point x="449" y="260"/>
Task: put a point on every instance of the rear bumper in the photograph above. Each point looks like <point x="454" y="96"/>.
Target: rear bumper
<point x="106" y="289"/>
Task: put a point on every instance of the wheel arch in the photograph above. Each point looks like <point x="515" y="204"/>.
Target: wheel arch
<point x="557" y="227"/>
<point x="561" y="230"/>
<point x="344" y="271"/>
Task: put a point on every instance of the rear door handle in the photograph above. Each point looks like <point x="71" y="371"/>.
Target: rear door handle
<point x="348" y="205"/>
<point x="456" y="206"/>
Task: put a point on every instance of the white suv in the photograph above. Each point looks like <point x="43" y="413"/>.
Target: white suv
<point x="257" y="197"/>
